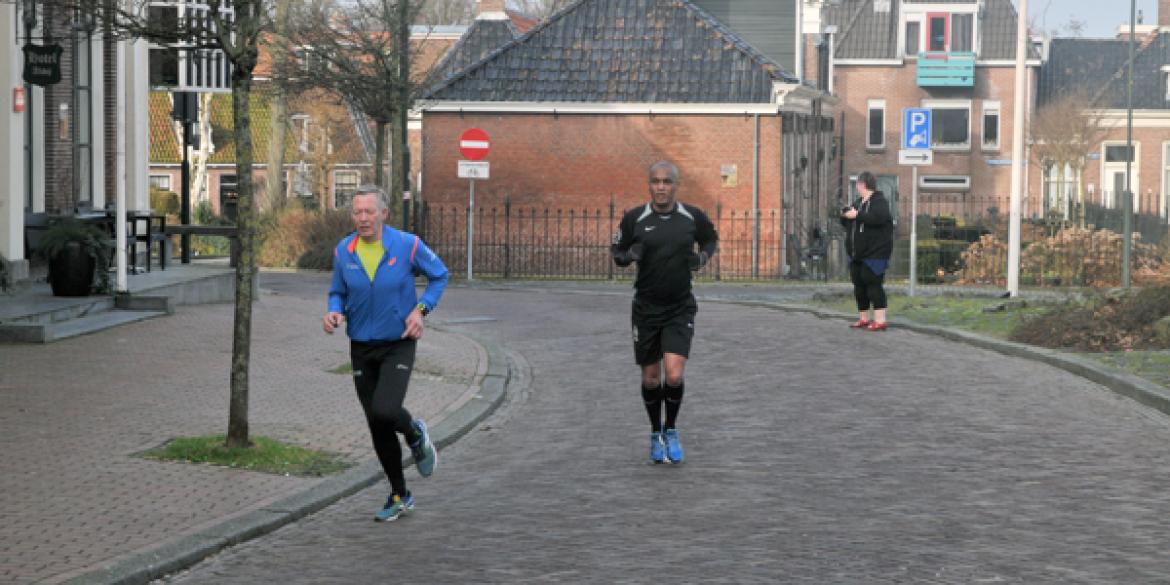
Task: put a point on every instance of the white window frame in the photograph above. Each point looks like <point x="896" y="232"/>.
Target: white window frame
<point x="348" y="173"/>
<point x="949" y="105"/>
<point x="902" y="38"/>
<point x="1164" y="208"/>
<point x="166" y="176"/>
<point x="990" y="107"/>
<point x="1108" y="194"/>
<point x="870" y="106"/>
<point x="918" y="12"/>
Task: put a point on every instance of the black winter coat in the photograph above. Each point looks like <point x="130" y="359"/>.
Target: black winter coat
<point x="871" y="235"/>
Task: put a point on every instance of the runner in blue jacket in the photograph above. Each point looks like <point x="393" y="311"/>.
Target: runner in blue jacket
<point x="373" y="291"/>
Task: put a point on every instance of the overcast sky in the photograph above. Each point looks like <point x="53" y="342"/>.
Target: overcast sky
<point x="1101" y="17"/>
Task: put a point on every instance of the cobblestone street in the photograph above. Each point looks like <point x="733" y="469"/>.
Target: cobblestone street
<point x="815" y="454"/>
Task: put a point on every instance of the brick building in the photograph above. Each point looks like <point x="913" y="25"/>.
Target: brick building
<point x="955" y="57"/>
<point x="580" y="106"/>
<point x="73" y="143"/>
<point x="1094" y="71"/>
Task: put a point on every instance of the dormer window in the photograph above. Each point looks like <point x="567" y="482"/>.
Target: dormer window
<point x="944" y="33"/>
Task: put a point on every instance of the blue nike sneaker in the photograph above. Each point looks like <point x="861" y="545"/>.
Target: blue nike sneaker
<point x="395" y="507"/>
<point x="674" y="450"/>
<point x="426" y="458"/>
<point x="657" y="449"/>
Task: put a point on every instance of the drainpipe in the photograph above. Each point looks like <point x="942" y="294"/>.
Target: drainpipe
<point x="756" y="201"/>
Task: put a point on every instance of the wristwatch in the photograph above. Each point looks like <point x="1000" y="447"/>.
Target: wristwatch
<point x="422" y="309"/>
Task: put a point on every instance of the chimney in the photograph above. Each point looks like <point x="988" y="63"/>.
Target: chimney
<point x="494" y="9"/>
<point x="1164" y="13"/>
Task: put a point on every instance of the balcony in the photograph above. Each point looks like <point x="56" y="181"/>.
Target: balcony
<point x="941" y="69"/>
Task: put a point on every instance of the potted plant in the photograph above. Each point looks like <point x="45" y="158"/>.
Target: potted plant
<point x="76" y="251"/>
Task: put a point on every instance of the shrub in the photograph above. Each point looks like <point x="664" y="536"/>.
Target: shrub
<point x="984" y="262"/>
<point x="1107" y="323"/>
<point x="164" y="202"/>
<point x="295" y="237"/>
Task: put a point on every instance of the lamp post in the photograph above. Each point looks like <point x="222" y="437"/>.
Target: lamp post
<point x="1127" y="198"/>
<point x="1017" y="187"/>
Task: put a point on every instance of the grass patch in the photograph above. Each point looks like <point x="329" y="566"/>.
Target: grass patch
<point x="346" y="369"/>
<point x="1153" y="365"/>
<point x="991" y="317"/>
<point x="265" y="455"/>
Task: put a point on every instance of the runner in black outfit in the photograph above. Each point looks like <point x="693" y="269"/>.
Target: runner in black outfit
<point x="662" y="238"/>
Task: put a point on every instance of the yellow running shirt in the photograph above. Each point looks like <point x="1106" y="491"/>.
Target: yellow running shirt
<point x="370" y="255"/>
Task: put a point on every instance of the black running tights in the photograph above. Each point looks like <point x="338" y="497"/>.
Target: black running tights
<point x="381" y="373"/>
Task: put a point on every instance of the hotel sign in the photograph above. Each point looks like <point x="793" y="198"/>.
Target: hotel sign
<point x="42" y="64"/>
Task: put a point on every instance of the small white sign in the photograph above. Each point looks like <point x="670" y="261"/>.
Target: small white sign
<point x="469" y="169"/>
<point x="915" y="157"/>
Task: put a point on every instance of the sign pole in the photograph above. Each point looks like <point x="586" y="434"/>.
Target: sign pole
<point x="913" y="229"/>
<point x="470" y="229"/>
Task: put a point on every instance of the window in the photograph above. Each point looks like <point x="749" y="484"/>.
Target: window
<point x="913" y="34"/>
<point x="1113" y="173"/>
<point x="160" y="182"/>
<point x="1164" y="207"/>
<point x="950" y="126"/>
<point x="962" y="33"/>
<point x="938" y="32"/>
<point x="1118" y="152"/>
<point x="875" y="135"/>
<point x="990" y="125"/>
<point x="345" y="183"/>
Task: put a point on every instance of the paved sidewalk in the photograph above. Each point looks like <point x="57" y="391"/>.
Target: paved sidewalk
<point x="73" y="415"/>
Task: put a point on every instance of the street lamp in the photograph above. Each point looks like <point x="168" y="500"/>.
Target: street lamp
<point x="1127" y="198"/>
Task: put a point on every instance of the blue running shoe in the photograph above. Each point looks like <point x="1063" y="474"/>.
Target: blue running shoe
<point x="425" y="456"/>
<point x="395" y="507"/>
<point x="657" y="449"/>
<point x="674" y="450"/>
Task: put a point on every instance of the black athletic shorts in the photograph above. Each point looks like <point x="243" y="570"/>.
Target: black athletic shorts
<point x="660" y="329"/>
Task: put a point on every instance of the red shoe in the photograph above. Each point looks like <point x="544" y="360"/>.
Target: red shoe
<point x="860" y="324"/>
<point x="875" y="326"/>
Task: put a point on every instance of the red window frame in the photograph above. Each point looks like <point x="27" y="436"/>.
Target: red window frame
<point x="946" y="18"/>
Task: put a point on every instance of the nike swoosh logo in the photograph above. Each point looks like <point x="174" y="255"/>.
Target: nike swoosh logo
<point x="650" y="228"/>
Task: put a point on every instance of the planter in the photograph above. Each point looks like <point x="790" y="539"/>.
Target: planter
<point x="71" y="271"/>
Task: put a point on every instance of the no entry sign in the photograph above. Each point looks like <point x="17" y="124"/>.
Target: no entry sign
<point x="474" y="144"/>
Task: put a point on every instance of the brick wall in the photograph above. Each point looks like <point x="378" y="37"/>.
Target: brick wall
<point x="898" y="86"/>
<point x="1147" y="171"/>
<point x="580" y="161"/>
<point x="59" y="195"/>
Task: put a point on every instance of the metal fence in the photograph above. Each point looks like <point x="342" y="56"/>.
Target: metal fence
<point x="964" y="238"/>
<point x="961" y="238"/>
<point x="529" y="242"/>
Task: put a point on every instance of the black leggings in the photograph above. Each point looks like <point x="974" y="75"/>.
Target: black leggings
<point x="381" y="373"/>
<point x="867" y="286"/>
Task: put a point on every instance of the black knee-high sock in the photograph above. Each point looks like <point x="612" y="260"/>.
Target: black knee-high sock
<point x="674" y="396"/>
<point x="652" y="398"/>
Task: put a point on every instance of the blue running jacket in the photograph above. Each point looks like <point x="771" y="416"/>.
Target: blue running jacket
<point x="377" y="311"/>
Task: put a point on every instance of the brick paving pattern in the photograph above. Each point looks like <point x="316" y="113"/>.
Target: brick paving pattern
<point x="74" y="413"/>
<point x="815" y="454"/>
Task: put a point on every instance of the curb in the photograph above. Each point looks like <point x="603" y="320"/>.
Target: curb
<point x="1138" y="389"/>
<point x="189" y="550"/>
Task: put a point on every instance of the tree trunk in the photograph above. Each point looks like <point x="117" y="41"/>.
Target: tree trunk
<point x="379" y="153"/>
<point x="394" y="194"/>
<point x="275" y="194"/>
<point x="237" y="435"/>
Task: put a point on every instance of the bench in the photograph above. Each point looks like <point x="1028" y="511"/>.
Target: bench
<point x="227" y="231"/>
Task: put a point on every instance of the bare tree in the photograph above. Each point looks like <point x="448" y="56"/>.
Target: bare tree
<point x="359" y="51"/>
<point x="1064" y="132"/>
<point x="233" y="27"/>
<point x="437" y="12"/>
<point x="281" y="52"/>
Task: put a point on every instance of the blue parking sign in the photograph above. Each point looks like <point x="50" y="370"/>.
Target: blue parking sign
<point x="916" y="128"/>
